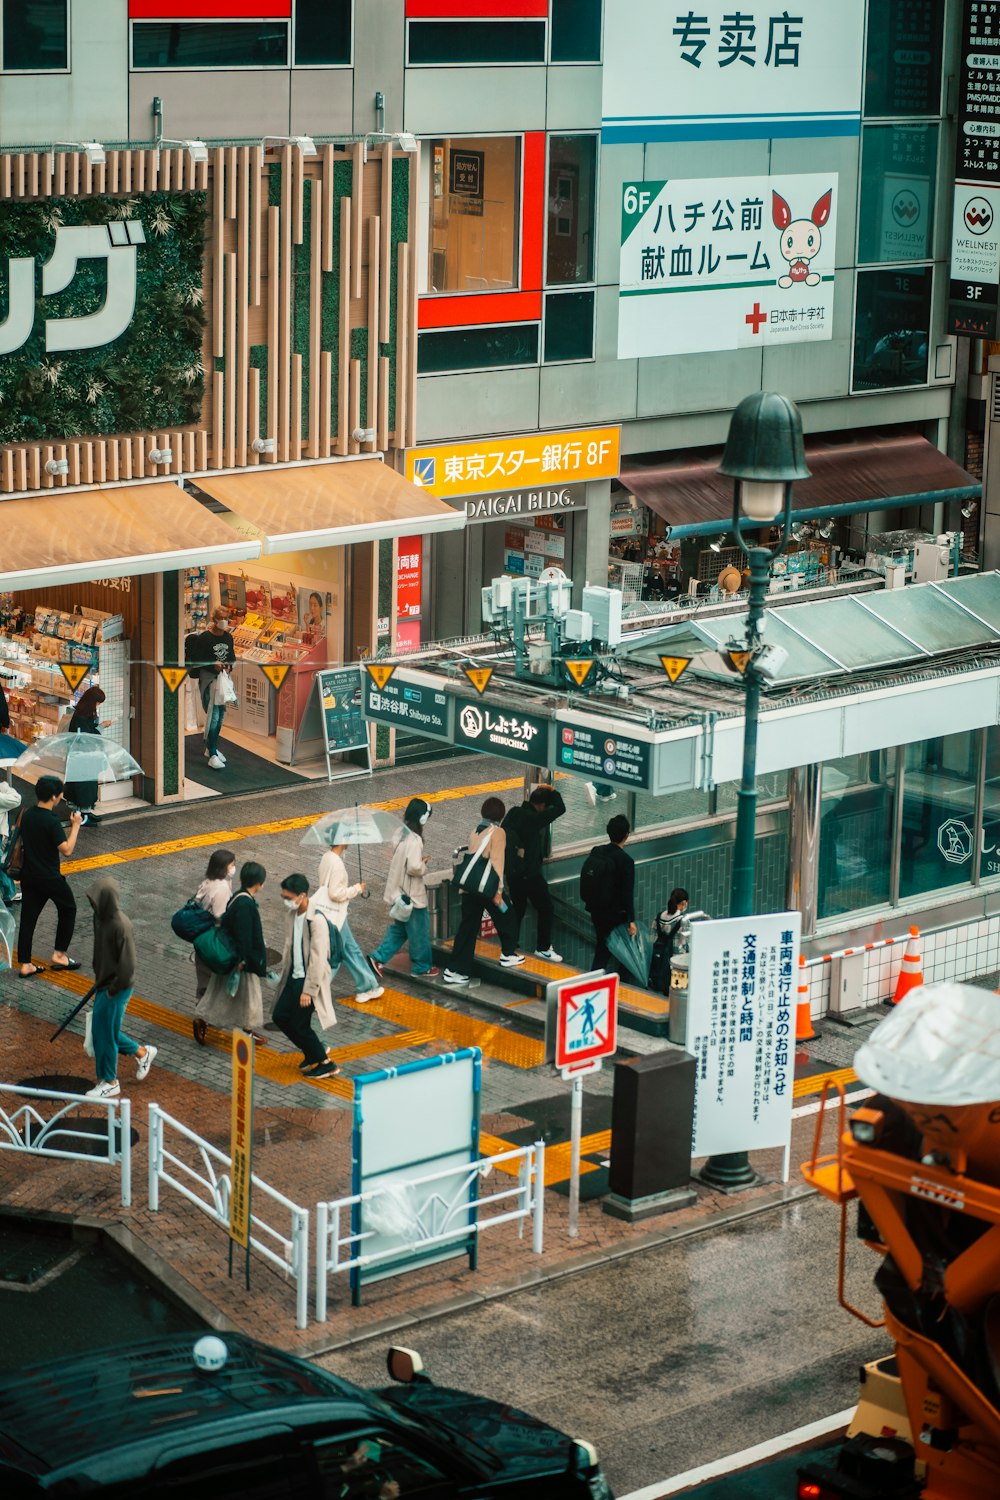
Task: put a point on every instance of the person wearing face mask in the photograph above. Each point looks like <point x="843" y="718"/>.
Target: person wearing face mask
<point x="212" y="653"/>
<point x="213" y="895"/>
<point x="405" y="887"/>
<point x="304" y="983"/>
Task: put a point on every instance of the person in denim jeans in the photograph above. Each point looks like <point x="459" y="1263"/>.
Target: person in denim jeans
<point x="114" y="973"/>
<point x="213" y="652"/>
<point x="406" y="880"/>
<point x="334" y="894"/>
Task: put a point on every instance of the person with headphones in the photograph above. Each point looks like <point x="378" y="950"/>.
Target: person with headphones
<point x="406" y="897"/>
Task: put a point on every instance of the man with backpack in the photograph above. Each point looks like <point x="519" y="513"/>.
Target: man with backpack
<point x="525" y="827"/>
<point x="304" y="983"/>
<point x="607" y="889"/>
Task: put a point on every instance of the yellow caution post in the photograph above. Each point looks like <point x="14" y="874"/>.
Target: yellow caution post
<point x="380" y="672"/>
<point x="675" y="666"/>
<point x="74" y="672"/>
<point x="580" y="670"/>
<point x="479" y="677"/>
<point x="172" y="677"/>
<point x="740" y="660"/>
<point x="277" y="673"/>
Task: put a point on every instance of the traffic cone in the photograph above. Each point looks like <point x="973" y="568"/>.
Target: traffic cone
<point x="912" y="973"/>
<point x="804" y="1031"/>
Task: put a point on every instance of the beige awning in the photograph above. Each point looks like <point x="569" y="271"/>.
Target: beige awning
<point x="111" y="533"/>
<point x="328" y="505"/>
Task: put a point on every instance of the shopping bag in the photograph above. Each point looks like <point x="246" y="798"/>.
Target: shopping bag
<point x="475" y="875"/>
<point x="633" y="953"/>
<point x="88" y="1034"/>
<point x="225" y="692"/>
<point x="401" y="909"/>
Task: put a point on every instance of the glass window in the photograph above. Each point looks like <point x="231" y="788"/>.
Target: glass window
<point x="896" y="215"/>
<point x="35" y="36"/>
<point x="322" y="32"/>
<point x="210" y="44"/>
<point x="569" y="326"/>
<point x="892" y="316"/>
<point x="679" y="807"/>
<point x="569" y="255"/>
<point x="476" y="42"/>
<point x="903" y="66"/>
<point x="989" y="860"/>
<point x="856" y="833"/>
<point x="477" y="348"/>
<point x="939" y="813"/>
<point x="576" y="31"/>
<point x="475" y="193"/>
<point x="770" y="788"/>
<point x="357" y="1468"/>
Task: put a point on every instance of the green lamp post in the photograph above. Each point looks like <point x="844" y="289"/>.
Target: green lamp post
<point x="764" y="455"/>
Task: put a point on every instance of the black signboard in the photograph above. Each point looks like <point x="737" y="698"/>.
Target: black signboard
<point x="604" y="756"/>
<point x="421" y="710"/>
<point x="977" y="157"/>
<point x="512" y="734"/>
<point x="465" y="182"/>
<point x="343" y="723"/>
<point x="903" y="72"/>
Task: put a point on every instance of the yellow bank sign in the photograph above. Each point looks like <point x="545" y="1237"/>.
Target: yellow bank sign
<point x="530" y="461"/>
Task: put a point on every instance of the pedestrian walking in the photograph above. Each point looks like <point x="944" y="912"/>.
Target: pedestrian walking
<point x="212" y="654"/>
<point x="666" y="925"/>
<point x="406" y="894"/>
<point x="213" y="895"/>
<point x="486" y="842"/>
<point x="607" y="889"/>
<point x="525" y="827"/>
<point x="44" y="840"/>
<point x="230" y="1005"/>
<point x="86" y="719"/>
<point x="334" y="895"/>
<point x="304" y="982"/>
<point x="114" y="977"/>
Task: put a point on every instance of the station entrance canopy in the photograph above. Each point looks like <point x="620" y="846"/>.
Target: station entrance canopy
<point x="860" y="675"/>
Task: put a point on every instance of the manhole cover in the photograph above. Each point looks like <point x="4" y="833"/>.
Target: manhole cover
<point x="87" y="1134"/>
<point x="58" y="1083"/>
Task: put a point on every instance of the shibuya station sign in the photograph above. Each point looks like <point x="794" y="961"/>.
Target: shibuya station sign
<point x="525" y="503"/>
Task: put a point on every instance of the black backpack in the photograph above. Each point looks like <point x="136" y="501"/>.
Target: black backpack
<point x="595" y="878"/>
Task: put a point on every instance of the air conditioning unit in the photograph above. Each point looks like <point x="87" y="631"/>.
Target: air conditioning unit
<point x="605" y="608"/>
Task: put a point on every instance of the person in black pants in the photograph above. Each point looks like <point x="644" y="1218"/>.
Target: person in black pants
<point x="304" y="983"/>
<point x="525" y="829"/>
<point x="612" y="903"/>
<point x="489" y="842"/>
<point x="44" y="839"/>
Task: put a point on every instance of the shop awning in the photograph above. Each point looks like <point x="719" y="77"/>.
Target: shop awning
<point x="905" y="469"/>
<point x="113" y="533"/>
<point x="327" y="505"/>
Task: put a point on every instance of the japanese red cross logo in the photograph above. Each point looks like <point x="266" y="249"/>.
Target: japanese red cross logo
<point x="586" y="1022"/>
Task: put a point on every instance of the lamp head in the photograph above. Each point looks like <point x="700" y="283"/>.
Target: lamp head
<point x="764" y="451"/>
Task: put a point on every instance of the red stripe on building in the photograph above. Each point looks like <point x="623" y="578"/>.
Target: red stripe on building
<point x="469" y="310"/>
<point x="533" y="210"/>
<point x="476" y="10"/>
<point x="209" y="10"/>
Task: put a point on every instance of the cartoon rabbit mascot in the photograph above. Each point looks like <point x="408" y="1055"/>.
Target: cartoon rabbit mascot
<point x="800" y="238"/>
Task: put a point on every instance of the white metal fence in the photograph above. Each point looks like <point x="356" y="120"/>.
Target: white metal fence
<point x="279" y="1228"/>
<point x="25" y="1128"/>
<point x="442" y="1211"/>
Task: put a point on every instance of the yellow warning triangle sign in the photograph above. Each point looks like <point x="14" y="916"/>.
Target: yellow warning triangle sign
<point x="277" y="673"/>
<point x="675" y="666"/>
<point x="380" y="674"/>
<point x="479" y="677"/>
<point x="740" y="660"/>
<point x="580" y="670"/>
<point x="74" y="672"/>
<point x="172" y="677"/>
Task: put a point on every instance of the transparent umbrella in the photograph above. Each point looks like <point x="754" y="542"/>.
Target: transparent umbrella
<point x="79" y="757"/>
<point x="353" y="825"/>
<point x="7" y="930"/>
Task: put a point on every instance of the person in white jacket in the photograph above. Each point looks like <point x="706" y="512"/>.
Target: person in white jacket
<point x="334" y="895"/>
<point x="405" y="888"/>
<point x="304" y="982"/>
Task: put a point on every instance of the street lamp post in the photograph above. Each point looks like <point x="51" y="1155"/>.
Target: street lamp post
<point x="764" y="455"/>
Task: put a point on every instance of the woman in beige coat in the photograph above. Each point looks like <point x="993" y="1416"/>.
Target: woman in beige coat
<point x="334" y="895"/>
<point x="405" y="885"/>
<point x="304" y="982"/>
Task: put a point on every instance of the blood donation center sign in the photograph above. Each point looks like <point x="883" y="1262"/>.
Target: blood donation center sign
<point x="726" y="263"/>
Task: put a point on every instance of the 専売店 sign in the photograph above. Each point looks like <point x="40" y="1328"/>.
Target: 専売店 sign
<point x="500" y="466"/>
<point x="716" y="71"/>
<point x="602" y="755"/>
<point x="526" y="502"/>
<point x="726" y="263"/>
<point x="409" y="705"/>
<point x="512" y="734"/>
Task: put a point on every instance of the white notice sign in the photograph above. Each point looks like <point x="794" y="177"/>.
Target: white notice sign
<point x="741" y="1031"/>
<point x="726" y="263"/>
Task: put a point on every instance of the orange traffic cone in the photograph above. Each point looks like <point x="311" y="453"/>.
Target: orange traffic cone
<point x="912" y="973"/>
<point x="804" y="1031"/>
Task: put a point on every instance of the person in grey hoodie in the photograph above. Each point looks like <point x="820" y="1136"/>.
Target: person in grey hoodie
<point x="114" y="973"/>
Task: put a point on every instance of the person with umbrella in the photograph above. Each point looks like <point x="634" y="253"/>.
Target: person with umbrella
<point x="44" y="840"/>
<point x="333" y="896"/>
<point x="86" y="720"/>
<point x="405" y="889"/>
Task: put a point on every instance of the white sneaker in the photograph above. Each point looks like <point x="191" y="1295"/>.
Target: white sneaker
<point x="366" y="995"/>
<point x="511" y="960"/>
<point x="550" y="954"/>
<point x="450" y="977"/>
<point x="216" y="763"/>
<point x="145" y="1062"/>
<point x="104" y="1091"/>
<point x="591" y="791"/>
<point x="221" y="757"/>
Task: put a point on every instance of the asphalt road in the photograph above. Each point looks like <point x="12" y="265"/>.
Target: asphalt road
<point x="674" y="1357"/>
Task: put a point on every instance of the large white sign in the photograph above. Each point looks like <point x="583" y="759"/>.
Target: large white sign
<point x="717" y="71"/>
<point x="741" y="1031"/>
<point x="728" y="263"/>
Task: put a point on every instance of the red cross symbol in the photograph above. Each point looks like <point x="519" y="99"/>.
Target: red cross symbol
<point x="756" y="318"/>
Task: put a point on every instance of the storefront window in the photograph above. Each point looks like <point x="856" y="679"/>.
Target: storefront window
<point x="679" y="807"/>
<point x="856" y="833"/>
<point x="322" y="32"/>
<point x="576" y="31"/>
<point x="892" y="316"/>
<point x="903" y="66"/>
<point x="572" y="173"/>
<point x="477" y="348"/>
<point x="770" y="789"/>
<point x="939" y="813"/>
<point x="210" y="44"/>
<point x="475" y="189"/>
<point x="569" y="327"/>
<point x="35" y="36"/>
<point x="896" y="216"/>
<point x="989" y="861"/>
<point x="451" y="42"/>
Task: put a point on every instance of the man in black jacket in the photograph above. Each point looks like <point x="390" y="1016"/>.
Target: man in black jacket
<point x="210" y="654"/>
<point x="608" y="887"/>
<point x="525" y="829"/>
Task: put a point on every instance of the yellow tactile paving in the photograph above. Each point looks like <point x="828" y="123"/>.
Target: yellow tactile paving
<point x="814" y="1083"/>
<point x="221" y="837"/>
<point x="557" y="1158"/>
<point x="496" y="1042"/>
<point x="652" y="1005"/>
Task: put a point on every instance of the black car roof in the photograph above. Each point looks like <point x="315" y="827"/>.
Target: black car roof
<point x="66" y="1411"/>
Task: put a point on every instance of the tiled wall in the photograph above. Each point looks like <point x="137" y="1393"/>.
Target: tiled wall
<point x="964" y="952"/>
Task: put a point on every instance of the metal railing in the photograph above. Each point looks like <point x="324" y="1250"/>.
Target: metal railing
<point x="24" y="1128"/>
<point x="447" y="1212"/>
<point x="207" y="1183"/>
